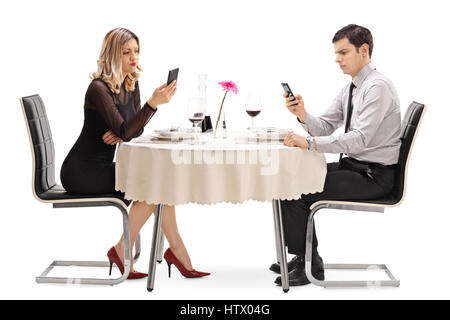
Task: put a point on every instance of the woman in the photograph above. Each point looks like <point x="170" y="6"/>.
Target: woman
<point x="112" y="114"/>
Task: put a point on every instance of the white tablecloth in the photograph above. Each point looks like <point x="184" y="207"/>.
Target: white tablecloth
<point x="219" y="170"/>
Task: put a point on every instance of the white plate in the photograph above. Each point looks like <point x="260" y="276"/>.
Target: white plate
<point x="176" y="136"/>
<point x="271" y="133"/>
<point x="177" y="133"/>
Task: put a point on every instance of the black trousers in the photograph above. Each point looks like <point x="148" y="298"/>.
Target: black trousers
<point x="340" y="184"/>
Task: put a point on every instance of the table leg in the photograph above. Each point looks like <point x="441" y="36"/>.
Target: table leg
<point x="155" y="244"/>
<point x="280" y="244"/>
<point x="277" y="242"/>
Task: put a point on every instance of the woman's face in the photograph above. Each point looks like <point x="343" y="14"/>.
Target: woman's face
<point x="130" y="56"/>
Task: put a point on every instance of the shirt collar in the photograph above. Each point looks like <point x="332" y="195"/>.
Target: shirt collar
<point x="362" y="75"/>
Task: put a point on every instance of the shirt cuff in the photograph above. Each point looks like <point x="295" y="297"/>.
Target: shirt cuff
<point x="305" y="124"/>
<point x="151" y="108"/>
<point x="308" y="119"/>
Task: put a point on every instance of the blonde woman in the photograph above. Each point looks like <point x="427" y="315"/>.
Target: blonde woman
<point x="112" y="113"/>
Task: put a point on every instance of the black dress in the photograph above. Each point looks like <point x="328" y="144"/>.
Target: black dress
<point x="89" y="166"/>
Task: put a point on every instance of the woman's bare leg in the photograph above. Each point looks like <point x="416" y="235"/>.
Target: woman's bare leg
<point x="170" y="229"/>
<point x="138" y="216"/>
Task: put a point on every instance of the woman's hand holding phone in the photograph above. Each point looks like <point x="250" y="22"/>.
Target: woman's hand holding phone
<point x="162" y="94"/>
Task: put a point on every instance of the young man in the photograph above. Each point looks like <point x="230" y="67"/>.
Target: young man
<point x="369" y="108"/>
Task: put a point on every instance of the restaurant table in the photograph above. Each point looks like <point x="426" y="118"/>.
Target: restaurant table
<point x="208" y="170"/>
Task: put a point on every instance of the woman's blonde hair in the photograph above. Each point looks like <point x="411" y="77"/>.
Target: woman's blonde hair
<point x="109" y="64"/>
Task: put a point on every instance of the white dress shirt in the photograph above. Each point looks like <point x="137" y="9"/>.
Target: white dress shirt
<point x="374" y="132"/>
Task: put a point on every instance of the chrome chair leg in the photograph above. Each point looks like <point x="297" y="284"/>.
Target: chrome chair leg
<point x="393" y="282"/>
<point x="155" y="247"/>
<point x="44" y="278"/>
<point x="281" y="248"/>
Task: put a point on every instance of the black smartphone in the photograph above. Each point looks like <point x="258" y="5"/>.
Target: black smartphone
<point x="173" y="75"/>
<point x="288" y="90"/>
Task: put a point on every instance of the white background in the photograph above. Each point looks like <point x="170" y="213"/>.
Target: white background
<point x="50" y="47"/>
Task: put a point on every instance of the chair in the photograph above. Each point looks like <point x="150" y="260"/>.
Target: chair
<point x="410" y="125"/>
<point x="46" y="190"/>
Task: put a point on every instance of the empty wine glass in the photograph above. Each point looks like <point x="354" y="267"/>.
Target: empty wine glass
<point x="196" y="109"/>
<point x="253" y="105"/>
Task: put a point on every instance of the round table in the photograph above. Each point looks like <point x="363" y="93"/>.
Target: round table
<point x="208" y="171"/>
<point x="216" y="170"/>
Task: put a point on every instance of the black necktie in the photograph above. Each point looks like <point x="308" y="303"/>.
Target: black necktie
<point x="349" y="113"/>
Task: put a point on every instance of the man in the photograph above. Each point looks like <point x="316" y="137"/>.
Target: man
<point x="369" y="108"/>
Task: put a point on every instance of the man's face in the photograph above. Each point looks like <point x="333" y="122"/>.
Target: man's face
<point x="350" y="59"/>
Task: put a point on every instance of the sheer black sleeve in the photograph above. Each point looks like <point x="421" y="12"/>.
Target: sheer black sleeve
<point x="100" y="98"/>
<point x="137" y="105"/>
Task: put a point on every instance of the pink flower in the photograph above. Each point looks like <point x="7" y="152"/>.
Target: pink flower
<point x="229" y="85"/>
<point x="226" y="86"/>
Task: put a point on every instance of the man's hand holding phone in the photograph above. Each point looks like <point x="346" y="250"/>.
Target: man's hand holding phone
<point x="296" y="106"/>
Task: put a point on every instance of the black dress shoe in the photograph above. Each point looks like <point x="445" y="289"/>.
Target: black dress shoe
<point x="275" y="267"/>
<point x="297" y="277"/>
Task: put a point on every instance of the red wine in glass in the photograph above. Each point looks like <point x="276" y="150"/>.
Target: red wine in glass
<point x="196" y="118"/>
<point x="253" y="105"/>
<point x="253" y="113"/>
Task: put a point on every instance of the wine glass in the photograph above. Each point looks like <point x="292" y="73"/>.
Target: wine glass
<point x="253" y="105"/>
<point x="196" y="109"/>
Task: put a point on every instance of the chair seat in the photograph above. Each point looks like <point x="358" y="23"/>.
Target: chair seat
<point x="58" y="193"/>
<point x="380" y="203"/>
<point x="387" y="201"/>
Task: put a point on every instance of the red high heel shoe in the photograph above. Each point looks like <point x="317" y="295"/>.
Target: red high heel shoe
<point x="114" y="258"/>
<point x="171" y="259"/>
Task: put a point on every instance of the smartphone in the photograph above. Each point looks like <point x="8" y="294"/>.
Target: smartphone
<point x="288" y="90"/>
<point x="173" y="75"/>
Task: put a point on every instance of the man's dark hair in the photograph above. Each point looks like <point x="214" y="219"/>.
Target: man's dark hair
<point x="356" y="35"/>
